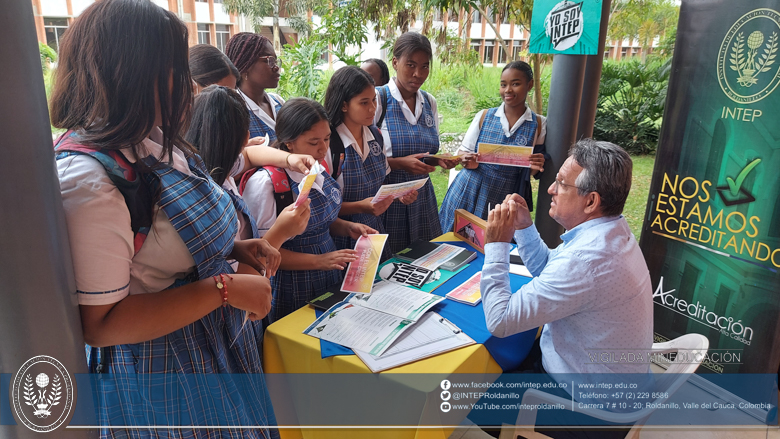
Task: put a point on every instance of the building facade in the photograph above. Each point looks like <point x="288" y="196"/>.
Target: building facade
<point x="207" y="20"/>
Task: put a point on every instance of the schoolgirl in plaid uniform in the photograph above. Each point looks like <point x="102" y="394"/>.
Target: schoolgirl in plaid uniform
<point x="153" y="304"/>
<point x="350" y="101"/>
<point x="410" y="136"/>
<point x="311" y="264"/>
<point x="258" y="66"/>
<point x="479" y="186"/>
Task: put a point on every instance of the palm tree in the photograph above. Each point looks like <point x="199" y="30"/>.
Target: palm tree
<point x="255" y="10"/>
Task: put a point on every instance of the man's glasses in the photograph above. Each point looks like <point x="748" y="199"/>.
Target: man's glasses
<point x="558" y="183"/>
<point x="272" y="61"/>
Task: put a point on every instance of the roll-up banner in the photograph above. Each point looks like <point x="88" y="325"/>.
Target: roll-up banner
<point x="711" y="234"/>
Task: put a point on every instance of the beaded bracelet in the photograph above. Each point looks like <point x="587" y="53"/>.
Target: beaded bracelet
<point x="222" y="287"/>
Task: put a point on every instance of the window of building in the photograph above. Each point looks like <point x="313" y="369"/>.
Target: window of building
<point x="437" y="15"/>
<point x="501" y="53"/>
<point x="204" y="33"/>
<point x="635" y="51"/>
<point x="517" y="49"/>
<point x="54" y="29"/>
<point x="453" y="16"/>
<point x="476" y="44"/>
<point x="201" y="1"/>
<point x="623" y="52"/>
<point x="223" y="35"/>
<point x="488" y="59"/>
<point x="506" y="19"/>
<point x="217" y="1"/>
<point x="476" y="17"/>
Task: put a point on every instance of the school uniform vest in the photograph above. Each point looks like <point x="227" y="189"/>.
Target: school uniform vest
<point x="204" y="216"/>
<point x="362" y="179"/>
<point x="419" y="220"/>
<point x="258" y="128"/>
<point x="292" y="289"/>
<point x="477" y="189"/>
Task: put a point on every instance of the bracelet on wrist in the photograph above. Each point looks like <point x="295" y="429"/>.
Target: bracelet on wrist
<point x="287" y="159"/>
<point x="222" y="287"/>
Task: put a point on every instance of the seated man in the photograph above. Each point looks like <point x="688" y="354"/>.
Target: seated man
<point x="592" y="293"/>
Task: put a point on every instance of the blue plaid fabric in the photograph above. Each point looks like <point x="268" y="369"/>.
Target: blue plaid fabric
<point x="151" y="383"/>
<point x="294" y="288"/>
<point x="362" y="180"/>
<point x="419" y="220"/>
<point x="258" y="128"/>
<point x="475" y="189"/>
<point x="241" y="207"/>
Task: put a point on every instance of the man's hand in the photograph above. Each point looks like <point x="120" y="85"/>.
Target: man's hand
<point x="522" y="219"/>
<point x="500" y="225"/>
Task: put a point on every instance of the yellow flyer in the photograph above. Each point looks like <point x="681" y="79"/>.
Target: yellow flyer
<point x="361" y="273"/>
<point x="304" y="187"/>
<point x="505" y="155"/>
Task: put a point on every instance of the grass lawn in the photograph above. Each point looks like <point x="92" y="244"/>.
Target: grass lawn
<point x="635" y="205"/>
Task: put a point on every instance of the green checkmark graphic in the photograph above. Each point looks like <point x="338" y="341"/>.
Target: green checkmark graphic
<point x="735" y="185"/>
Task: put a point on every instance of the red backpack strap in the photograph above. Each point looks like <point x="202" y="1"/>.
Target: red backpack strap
<point x="282" y="191"/>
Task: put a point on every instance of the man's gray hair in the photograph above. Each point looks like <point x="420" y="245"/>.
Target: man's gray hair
<point x="606" y="171"/>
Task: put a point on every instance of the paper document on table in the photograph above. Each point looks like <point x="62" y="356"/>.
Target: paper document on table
<point x="398" y="190"/>
<point x="442" y="254"/>
<point x="518" y="269"/>
<point x="505" y="155"/>
<point x="358" y="327"/>
<point x="431" y="335"/>
<point x="304" y="187"/>
<point x="397" y="300"/>
<point x="468" y="292"/>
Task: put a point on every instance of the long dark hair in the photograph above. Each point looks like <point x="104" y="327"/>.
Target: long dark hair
<point x="344" y="85"/>
<point x="219" y="128"/>
<point x="208" y="65"/>
<point x="297" y="116"/>
<point x="112" y="60"/>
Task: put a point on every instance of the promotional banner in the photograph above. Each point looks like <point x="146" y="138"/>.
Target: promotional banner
<point x="711" y="234"/>
<point x="565" y="27"/>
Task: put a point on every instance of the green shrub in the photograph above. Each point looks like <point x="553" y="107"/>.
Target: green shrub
<point x="48" y="56"/>
<point x="631" y="104"/>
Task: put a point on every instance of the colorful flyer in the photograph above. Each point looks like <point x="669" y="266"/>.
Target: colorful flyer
<point x="468" y="292"/>
<point x="506" y="155"/>
<point x="361" y="273"/>
<point x="398" y="190"/>
<point x="442" y="254"/>
<point x="304" y="187"/>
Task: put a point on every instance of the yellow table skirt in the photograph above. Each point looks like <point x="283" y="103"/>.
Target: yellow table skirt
<point x="287" y="350"/>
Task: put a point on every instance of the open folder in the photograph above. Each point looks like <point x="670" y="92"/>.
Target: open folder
<point x="431" y="335"/>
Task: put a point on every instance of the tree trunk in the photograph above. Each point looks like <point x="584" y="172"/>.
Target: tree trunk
<point x="277" y="41"/>
<point x="538" y="86"/>
<point x="493" y="26"/>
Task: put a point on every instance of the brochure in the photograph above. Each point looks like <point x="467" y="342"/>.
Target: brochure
<point x="371" y="322"/>
<point x="416" y="277"/>
<point x="420" y="248"/>
<point x="398" y="190"/>
<point x="304" y="187"/>
<point x="468" y="292"/>
<point x="431" y="335"/>
<point x="360" y="274"/>
<point x="505" y="155"/>
<point x="439" y="256"/>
